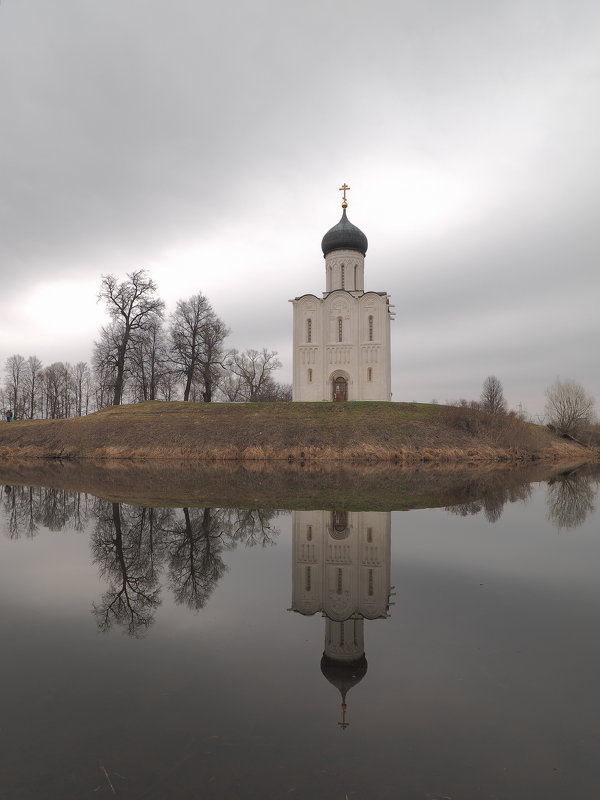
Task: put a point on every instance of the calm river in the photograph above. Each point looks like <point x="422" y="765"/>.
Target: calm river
<point x="197" y="653"/>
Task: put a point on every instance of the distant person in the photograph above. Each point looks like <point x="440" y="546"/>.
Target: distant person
<point x="9" y="416"/>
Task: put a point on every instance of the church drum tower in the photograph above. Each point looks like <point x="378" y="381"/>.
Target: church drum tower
<point x="342" y="340"/>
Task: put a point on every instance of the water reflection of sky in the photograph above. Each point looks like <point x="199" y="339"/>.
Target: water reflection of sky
<point x="480" y="683"/>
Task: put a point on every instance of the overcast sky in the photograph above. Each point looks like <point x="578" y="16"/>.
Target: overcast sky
<point x="206" y="143"/>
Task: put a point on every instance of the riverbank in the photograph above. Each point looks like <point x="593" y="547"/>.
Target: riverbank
<point x="401" y="433"/>
<point x="320" y="485"/>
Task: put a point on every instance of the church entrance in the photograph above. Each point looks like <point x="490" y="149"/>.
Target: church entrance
<point x="340" y="389"/>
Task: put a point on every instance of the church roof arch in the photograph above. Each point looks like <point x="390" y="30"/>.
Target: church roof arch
<point x="305" y="297"/>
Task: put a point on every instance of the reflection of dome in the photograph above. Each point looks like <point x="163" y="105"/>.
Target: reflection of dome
<point x="344" y="674"/>
<point x="344" y="236"/>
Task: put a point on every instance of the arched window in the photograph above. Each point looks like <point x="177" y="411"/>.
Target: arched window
<point x="307" y="585"/>
<point x="369" y="535"/>
<point x="340" y="330"/>
<point x="369" y="373"/>
<point x="343" y="276"/>
<point x="309" y="533"/>
<point x="309" y="375"/>
<point x="370" y="328"/>
<point x="309" y="330"/>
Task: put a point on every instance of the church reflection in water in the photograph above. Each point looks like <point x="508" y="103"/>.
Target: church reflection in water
<point x="341" y="568"/>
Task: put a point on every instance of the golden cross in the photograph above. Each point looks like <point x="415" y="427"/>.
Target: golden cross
<point x="344" y="189"/>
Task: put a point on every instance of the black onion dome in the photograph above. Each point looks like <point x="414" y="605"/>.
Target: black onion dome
<point x="344" y="674"/>
<point x="344" y="236"/>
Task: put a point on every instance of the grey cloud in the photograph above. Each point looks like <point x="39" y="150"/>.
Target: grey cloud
<point x="129" y="127"/>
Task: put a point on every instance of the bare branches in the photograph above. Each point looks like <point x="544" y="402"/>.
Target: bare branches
<point x="132" y="305"/>
<point x="568" y="407"/>
<point x="251" y="372"/>
<point x="197" y="336"/>
<point x="492" y="396"/>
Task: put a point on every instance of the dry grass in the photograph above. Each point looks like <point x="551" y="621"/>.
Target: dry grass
<point x="400" y="433"/>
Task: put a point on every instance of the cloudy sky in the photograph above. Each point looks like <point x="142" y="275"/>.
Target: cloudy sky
<point x="206" y="143"/>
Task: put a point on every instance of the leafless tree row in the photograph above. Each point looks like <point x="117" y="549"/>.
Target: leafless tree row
<point x="141" y="355"/>
<point x="59" y="390"/>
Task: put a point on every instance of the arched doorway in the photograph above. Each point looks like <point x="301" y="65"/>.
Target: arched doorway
<point x="340" y="389"/>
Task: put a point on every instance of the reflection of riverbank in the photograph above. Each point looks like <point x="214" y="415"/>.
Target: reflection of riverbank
<point x="374" y="487"/>
<point x="134" y="544"/>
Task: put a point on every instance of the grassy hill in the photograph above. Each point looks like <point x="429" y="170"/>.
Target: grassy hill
<point x="294" y="432"/>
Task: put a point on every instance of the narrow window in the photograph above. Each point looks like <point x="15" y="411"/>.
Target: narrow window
<point x="307" y="584"/>
<point x="309" y="330"/>
<point x="343" y="276"/>
<point x="370" y="328"/>
<point x="355" y="268"/>
<point x="369" y="535"/>
<point x="371" y="583"/>
<point x="340" y="521"/>
<point x="339" y="580"/>
<point x="369" y="373"/>
<point x="340" y="329"/>
<point x="310" y="375"/>
<point x="309" y="533"/>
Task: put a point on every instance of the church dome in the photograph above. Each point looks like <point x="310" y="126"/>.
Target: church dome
<point x="344" y="236"/>
<point x="343" y="674"/>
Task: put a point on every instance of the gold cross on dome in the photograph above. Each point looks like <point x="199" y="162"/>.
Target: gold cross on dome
<point x="344" y="189"/>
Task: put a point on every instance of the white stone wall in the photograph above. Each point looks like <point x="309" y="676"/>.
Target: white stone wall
<point x="345" y="269"/>
<point x="362" y="356"/>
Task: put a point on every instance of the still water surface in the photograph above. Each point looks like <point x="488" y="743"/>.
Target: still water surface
<point x="207" y="653"/>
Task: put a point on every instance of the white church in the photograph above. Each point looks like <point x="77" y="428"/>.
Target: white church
<point x="342" y="339"/>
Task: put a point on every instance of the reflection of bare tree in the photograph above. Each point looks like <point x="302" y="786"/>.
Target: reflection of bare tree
<point x="570" y="498"/>
<point x="132" y="544"/>
<point x="127" y="544"/>
<point x="252" y="526"/>
<point x="198" y="539"/>
<point x="195" y="545"/>
<point x="492" y="500"/>
<point x="27" y="508"/>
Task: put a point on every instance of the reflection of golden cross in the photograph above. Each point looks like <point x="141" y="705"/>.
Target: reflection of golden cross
<point x="344" y="189"/>
<point x="343" y="724"/>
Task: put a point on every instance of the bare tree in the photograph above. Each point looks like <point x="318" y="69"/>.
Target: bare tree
<point x="197" y="337"/>
<point x="492" y="396"/>
<point x="132" y="304"/>
<point x="148" y="361"/>
<point x="271" y="391"/>
<point x="104" y="362"/>
<point x="33" y="379"/>
<point x="568" y="407"/>
<point x="58" y="390"/>
<point x="251" y="372"/>
<point x="82" y="379"/>
<point x="15" y="374"/>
